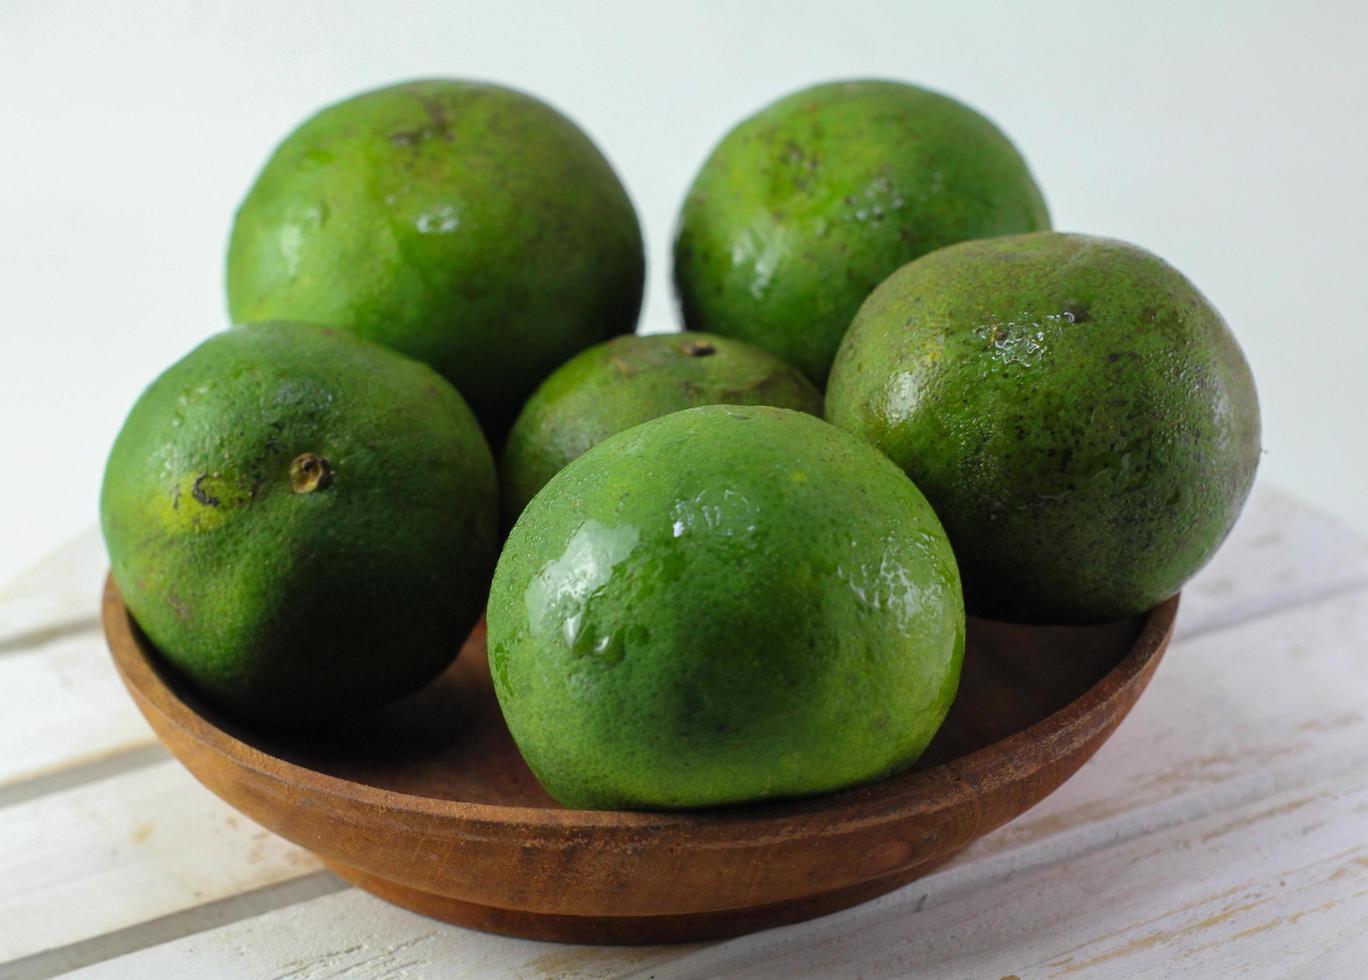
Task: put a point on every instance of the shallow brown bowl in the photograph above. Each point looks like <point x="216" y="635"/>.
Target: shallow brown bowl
<point x="428" y="804"/>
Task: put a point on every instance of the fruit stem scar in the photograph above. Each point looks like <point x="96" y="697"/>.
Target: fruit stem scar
<point x="698" y="348"/>
<point x="199" y="493"/>
<point x="309" y="472"/>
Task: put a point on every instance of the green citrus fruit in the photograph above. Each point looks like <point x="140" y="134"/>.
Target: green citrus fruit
<point x="724" y="604"/>
<point x="629" y="380"/>
<point x="467" y="225"/>
<point x="303" y="522"/>
<point x="1081" y="417"/>
<point x="806" y="206"/>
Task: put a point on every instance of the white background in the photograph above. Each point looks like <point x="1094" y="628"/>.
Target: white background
<point x="1230" y="138"/>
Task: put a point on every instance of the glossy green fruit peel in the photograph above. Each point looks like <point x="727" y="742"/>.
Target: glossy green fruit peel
<point x="724" y="604"/>
<point x="629" y="380"/>
<point x="1081" y="417"/>
<point x="465" y="224"/>
<point x="805" y="207"/>
<point x="302" y="522"/>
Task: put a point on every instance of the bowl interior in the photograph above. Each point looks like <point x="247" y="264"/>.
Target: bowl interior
<point x="448" y="741"/>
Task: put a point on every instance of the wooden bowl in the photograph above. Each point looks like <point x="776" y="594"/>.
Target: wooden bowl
<point x="428" y="804"/>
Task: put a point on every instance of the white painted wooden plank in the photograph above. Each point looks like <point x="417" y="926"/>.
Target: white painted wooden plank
<point x="1270" y="889"/>
<point x="354" y="934"/>
<point x="124" y="850"/>
<point x="168" y="928"/>
<point x="65" y="707"/>
<point x="61" y="590"/>
<point x="1281" y="553"/>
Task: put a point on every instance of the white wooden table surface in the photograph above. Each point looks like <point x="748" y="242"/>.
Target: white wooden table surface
<point x="1223" y="831"/>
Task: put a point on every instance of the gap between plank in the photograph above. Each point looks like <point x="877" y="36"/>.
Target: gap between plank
<point x="49" y="634"/>
<point x="105" y="767"/>
<point x="168" y="928"/>
<point x="1297" y="600"/>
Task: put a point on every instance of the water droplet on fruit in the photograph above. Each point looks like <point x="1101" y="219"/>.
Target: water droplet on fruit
<point x="559" y="596"/>
<point x="440" y="221"/>
<point x="291" y="239"/>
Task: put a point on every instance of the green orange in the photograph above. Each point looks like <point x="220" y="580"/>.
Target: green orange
<point x="461" y="223"/>
<point x="806" y="206"/>
<point x="303" y="522"/>
<point x="629" y="380"/>
<point x="724" y="604"/>
<point x="1079" y="414"/>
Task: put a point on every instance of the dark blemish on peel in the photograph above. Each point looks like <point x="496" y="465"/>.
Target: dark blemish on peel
<point x="179" y="605"/>
<point x="437" y="112"/>
<point x="199" y="493"/>
<point x="440" y="126"/>
<point x="698" y="348"/>
<point x="1077" y="314"/>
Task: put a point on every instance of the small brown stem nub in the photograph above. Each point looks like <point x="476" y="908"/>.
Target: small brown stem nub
<point x="309" y="472"/>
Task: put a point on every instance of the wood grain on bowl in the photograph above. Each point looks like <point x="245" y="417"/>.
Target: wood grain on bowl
<point x="428" y="804"/>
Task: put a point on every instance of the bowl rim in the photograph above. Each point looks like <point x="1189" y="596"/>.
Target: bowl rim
<point x="918" y="790"/>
